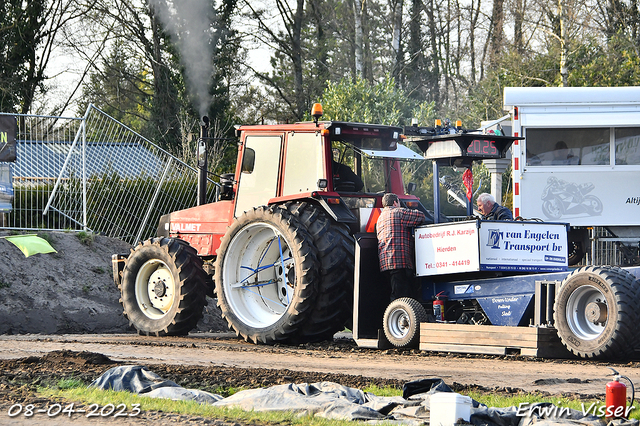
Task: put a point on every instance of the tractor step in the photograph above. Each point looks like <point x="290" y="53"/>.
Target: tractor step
<point x="492" y="340"/>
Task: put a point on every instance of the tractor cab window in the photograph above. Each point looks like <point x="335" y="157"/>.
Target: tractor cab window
<point x="346" y="168"/>
<point x="367" y="162"/>
<point x="248" y="160"/>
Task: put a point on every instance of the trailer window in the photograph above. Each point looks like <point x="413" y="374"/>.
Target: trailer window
<point x="628" y="145"/>
<point x="574" y="146"/>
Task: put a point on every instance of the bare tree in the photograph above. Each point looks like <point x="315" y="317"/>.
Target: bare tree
<point x="358" y="11"/>
<point x="30" y="32"/>
<point x="287" y="42"/>
<point x="395" y="7"/>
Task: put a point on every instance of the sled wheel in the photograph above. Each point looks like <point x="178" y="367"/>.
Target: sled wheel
<point x="334" y="306"/>
<point x="595" y="313"/>
<point x="593" y="204"/>
<point x="267" y="276"/>
<point x="576" y="252"/>
<point x="401" y="322"/>
<point x="163" y="287"/>
<point x="553" y="208"/>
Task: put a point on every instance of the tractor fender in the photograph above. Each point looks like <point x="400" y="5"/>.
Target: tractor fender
<point x="337" y="210"/>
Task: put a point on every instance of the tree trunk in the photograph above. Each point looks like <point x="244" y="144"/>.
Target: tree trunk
<point x="322" y="74"/>
<point x="296" y="56"/>
<point x="357" y="11"/>
<point x="518" y="40"/>
<point x="415" y="69"/>
<point x="497" y="23"/>
<point x="563" y="43"/>
<point x="474" y="14"/>
<point x="435" y="57"/>
<point x="396" y="38"/>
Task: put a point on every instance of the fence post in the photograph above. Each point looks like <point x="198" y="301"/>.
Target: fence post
<point x="153" y="201"/>
<point x="84" y="175"/>
<point x="66" y="163"/>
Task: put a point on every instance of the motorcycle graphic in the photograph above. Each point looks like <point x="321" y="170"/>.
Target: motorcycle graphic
<point x="561" y="197"/>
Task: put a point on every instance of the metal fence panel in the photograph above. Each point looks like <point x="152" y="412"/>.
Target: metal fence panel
<point x="96" y="174"/>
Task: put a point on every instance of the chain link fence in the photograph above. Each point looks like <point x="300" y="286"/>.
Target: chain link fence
<point x="95" y="174"/>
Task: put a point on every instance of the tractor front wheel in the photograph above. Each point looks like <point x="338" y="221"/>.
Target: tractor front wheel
<point x="595" y="312"/>
<point x="163" y="287"/>
<point x="401" y="322"/>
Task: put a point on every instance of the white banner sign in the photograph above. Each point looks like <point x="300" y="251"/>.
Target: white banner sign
<point x="490" y="246"/>
<point x="447" y="248"/>
<point x="523" y="246"/>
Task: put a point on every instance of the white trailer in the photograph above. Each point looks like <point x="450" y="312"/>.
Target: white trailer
<point x="580" y="159"/>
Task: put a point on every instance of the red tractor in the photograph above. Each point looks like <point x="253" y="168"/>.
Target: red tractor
<point x="277" y="248"/>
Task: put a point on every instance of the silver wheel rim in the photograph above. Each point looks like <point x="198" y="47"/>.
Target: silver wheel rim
<point x="399" y="323"/>
<point x="577" y="319"/>
<point x="258" y="276"/>
<point x="154" y="289"/>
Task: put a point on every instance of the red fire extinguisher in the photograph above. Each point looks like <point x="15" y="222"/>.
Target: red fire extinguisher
<point x="616" y="396"/>
<point x="438" y="306"/>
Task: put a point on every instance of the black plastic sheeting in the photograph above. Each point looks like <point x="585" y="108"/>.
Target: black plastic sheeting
<point x="334" y="401"/>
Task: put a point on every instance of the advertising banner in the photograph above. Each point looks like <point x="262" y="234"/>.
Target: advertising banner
<point x="8" y="131"/>
<point x="490" y="246"/>
<point x="598" y="196"/>
<point x="447" y="248"/>
<point x="523" y="246"/>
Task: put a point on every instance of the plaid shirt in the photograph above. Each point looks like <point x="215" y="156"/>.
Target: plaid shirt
<point x="394" y="237"/>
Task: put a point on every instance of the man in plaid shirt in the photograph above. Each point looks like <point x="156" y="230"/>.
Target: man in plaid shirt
<point x="395" y="248"/>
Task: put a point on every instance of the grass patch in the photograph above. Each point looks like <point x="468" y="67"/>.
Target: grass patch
<point x="4" y="284"/>
<point x="74" y="390"/>
<point x="47" y="237"/>
<point x="65" y="384"/>
<point x="191" y="408"/>
<point x="98" y="269"/>
<point x="85" y="237"/>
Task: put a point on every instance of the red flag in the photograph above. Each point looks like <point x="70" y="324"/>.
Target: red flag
<point x="467" y="180"/>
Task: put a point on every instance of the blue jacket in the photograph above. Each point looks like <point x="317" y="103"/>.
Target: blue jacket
<point x="499" y="212"/>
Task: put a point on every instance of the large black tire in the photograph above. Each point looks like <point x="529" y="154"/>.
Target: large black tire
<point x="595" y="312"/>
<point x="401" y="322"/>
<point x="163" y="287"/>
<point x="576" y="252"/>
<point x="267" y="275"/>
<point x="334" y="304"/>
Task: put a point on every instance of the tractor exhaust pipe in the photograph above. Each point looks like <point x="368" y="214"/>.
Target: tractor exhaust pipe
<point x="201" y="156"/>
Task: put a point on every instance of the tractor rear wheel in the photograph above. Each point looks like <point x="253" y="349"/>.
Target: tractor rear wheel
<point x="334" y="306"/>
<point x="595" y="312"/>
<point x="401" y="322"/>
<point x="163" y="287"/>
<point x="267" y="275"/>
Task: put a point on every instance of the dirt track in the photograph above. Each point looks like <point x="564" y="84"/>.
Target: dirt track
<point x="338" y="357"/>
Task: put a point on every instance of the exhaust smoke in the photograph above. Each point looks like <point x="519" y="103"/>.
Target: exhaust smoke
<point x="190" y="25"/>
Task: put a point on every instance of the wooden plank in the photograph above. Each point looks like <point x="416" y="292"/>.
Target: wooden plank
<point x="478" y="328"/>
<point x="492" y="340"/>
<point x="525" y="332"/>
<point x="491" y="329"/>
<point x="485" y="342"/>
<point x="465" y="349"/>
<point x="439" y="335"/>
